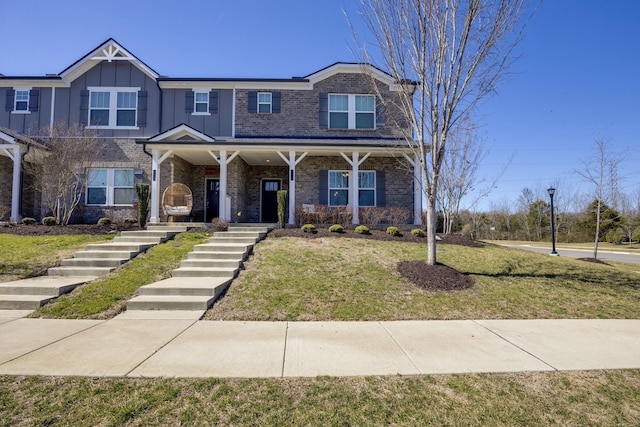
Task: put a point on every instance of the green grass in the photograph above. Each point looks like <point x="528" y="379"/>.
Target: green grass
<point x="107" y="296"/>
<point x="610" y="398"/>
<point x="29" y="256"/>
<point x="356" y="279"/>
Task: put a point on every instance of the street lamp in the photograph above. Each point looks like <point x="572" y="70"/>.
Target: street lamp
<point x="551" y="192"/>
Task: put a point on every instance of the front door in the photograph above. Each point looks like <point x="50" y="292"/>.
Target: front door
<point x="213" y="199"/>
<point x="269" y="207"/>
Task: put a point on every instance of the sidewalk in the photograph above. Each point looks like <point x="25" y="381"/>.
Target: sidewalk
<point x="124" y="347"/>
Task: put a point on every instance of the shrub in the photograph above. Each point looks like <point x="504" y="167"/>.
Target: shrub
<point x="29" y="221"/>
<point x="104" y="221"/>
<point x="418" y="232"/>
<point x="281" y="197"/>
<point x="130" y="221"/>
<point x="308" y="228"/>
<point x="49" y="220"/>
<point x="336" y="228"/>
<point x="398" y="215"/>
<point x="615" y="236"/>
<point x="219" y="224"/>
<point x="394" y="231"/>
<point x="143" y="191"/>
<point x="362" y="229"/>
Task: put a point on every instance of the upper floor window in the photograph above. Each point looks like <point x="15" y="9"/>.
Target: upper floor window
<point x="113" y="107"/>
<point x="348" y="111"/>
<point x="21" y="100"/>
<point x="110" y="187"/>
<point x="201" y="102"/>
<point x="264" y="102"/>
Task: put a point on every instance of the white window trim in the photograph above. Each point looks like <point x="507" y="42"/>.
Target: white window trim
<point x="195" y="102"/>
<point x="360" y="188"/>
<point x="15" y="100"/>
<point x="110" y="188"/>
<point x="330" y="188"/>
<point x="351" y="111"/>
<point x="113" y="106"/>
<point x="270" y="103"/>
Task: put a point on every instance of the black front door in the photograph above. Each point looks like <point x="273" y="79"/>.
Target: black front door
<point x="213" y="199"/>
<point x="270" y="200"/>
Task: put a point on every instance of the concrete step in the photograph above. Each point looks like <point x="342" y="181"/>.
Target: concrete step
<point x="160" y="302"/>
<point x="240" y="256"/>
<point x="24" y="302"/>
<point x="126" y="255"/>
<point x="234" y="233"/>
<point x="92" y="262"/>
<point x="43" y="285"/>
<point x="79" y="271"/>
<point x="208" y="263"/>
<point x="116" y="247"/>
<point x="205" y="272"/>
<point x="168" y="228"/>
<point x="163" y="234"/>
<point x="223" y="247"/>
<point x="199" y="286"/>
<point x="222" y="240"/>
<point x="139" y="239"/>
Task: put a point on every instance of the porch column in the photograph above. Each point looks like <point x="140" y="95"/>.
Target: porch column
<point x="156" y="161"/>
<point x="417" y="189"/>
<point x="354" y="199"/>
<point x="223" y="160"/>
<point x="15" y="186"/>
<point x="292" y="162"/>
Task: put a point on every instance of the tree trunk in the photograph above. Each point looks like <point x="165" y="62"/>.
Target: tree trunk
<point x="432" y="219"/>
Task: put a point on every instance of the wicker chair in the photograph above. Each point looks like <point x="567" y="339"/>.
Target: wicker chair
<point x="177" y="200"/>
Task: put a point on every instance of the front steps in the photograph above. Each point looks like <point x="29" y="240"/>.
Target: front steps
<point x="206" y="273"/>
<point x="95" y="260"/>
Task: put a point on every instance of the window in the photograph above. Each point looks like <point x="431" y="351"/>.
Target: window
<point x="366" y="188"/>
<point x="113" y="107"/>
<point x="22" y="100"/>
<point x="201" y="105"/>
<point x="352" y="111"/>
<point x="339" y="188"/>
<point x="110" y="187"/>
<point x="264" y="102"/>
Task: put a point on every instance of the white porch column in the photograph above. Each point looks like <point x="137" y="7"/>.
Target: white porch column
<point x="417" y="189"/>
<point x="156" y="161"/>
<point x="15" y="188"/>
<point x="292" y="162"/>
<point x="223" y="160"/>
<point x="354" y="199"/>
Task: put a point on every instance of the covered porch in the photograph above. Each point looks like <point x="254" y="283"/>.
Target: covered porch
<point x="238" y="179"/>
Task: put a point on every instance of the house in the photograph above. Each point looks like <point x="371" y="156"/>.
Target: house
<point x="235" y="142"/>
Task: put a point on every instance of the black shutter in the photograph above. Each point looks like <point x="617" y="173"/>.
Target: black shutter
<point x="9" y="101"/>
<point x="142" y="108"/>
<point x="84" y="107"/>
<point x="275" y="102"/>
<point x="380" y="111"/>
<point x="323" y="187"/>
<point x="253" y="102"/>
<point x="324" y="111"/>
<point x="188" y="101"/>
<point x="381" y="184"/>
<point x="213" y="102"/>
<point x="34" y="97"/>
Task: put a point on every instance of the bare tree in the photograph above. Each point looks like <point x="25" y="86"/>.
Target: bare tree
<point x="453" y="52"/>
<point x="60" y="173"/>
<point x="601" y="170"/>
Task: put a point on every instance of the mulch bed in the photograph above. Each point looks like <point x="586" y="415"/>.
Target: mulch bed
<point x="452" y="239"/>
<point x="58" y="230"/>
<point x="437" y="277"/>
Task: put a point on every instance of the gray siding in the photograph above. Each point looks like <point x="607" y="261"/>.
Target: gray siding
<point x="174" y="113"/>
<point x="27" y="123"/>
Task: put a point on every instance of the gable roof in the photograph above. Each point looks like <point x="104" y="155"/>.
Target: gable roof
<point x="110" y="50"/>
<point x="182" y="132"/>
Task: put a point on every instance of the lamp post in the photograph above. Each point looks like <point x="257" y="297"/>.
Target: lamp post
<point x="551" y="192"/>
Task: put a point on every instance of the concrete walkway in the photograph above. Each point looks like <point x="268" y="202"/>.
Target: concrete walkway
<point x="184" y="347"/>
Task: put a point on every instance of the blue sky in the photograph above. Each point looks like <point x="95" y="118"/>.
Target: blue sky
<point x="577" y="80"/>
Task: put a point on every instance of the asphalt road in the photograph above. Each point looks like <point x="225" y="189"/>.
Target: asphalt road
<point x="583" y="253"/>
